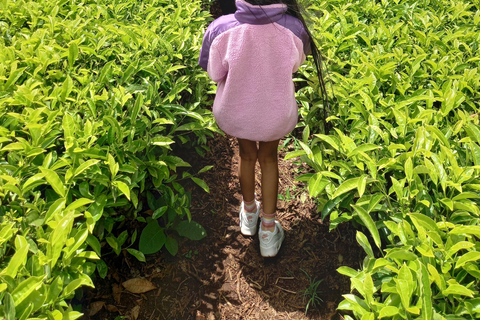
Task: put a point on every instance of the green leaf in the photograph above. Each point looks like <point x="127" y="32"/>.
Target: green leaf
<point x="458" y="289"/>
<point x="346" y="186"/>
<point x="159" y="212"/>
<point x="79" y="239"/>
<point x="439" y="135"/>
<point x="161" y="141"/>
<point x="368" y="222"/>
<point x="474" y="230"/>
<point x="18" y="259"/>
<point x="467" y="257"/>
<point x="84" y="166"/>
<point x="425" y="293"/>
<point x="409" y="169"/>
<point x="172" y="245"/>
<point x="473" y="132"/>
<point x="201" y="183"/>
<point x="58" y="238"/>
<point x="401" y="254"/>
<point x="363" y="148"/>
<point x="362" y="183"/>
<point x="328" y="139"/>
<point x="57" y="206"/>
<point x="152" y="238"/>
<point x="462" y="245"/>
<point x="14" y="76"/>
<point x="94" y="244"/>
<point x="102" y="269"/>
<point x="204" y="169"/>
<point x="354" y="303"/>
<point x="191" y="229"/>
<point x="424" y="221"/>
<point x="294" y="154"/>
<point x="9" y="307"/>
<point x="137" y="254"/>
<point x="25" y="288"/>
<point x="72" y="54"/>
<point x="54" y="181"/>
<point x="82" y="280"/>
<point x="363" y="241"/>
<point x="122" y="186"/>
<point x="347" y="271"/>
<point x="316" y="184"/>
<point x="136" y="109"/>
<point x="327" y="208"/>
<point x="387" y="312"/>
<point x="78" y="203"/>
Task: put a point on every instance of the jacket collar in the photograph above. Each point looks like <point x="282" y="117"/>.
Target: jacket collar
<point x="252" y="14"/>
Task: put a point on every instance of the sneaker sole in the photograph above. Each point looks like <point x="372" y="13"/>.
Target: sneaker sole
<point x="272" y="251"/>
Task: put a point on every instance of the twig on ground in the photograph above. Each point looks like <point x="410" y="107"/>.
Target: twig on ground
<point x="182" y="283"/>
<point x="284" y="278"/>
<point x="255" y="284"/>
<point x="286" y="290"/>
<point x="238" y="285"/>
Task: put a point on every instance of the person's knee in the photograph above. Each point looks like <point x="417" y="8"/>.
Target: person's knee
<point x="249" y="155"/>
<point x="267" y="157"/>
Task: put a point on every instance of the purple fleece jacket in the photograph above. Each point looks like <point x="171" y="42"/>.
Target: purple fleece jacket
<point x="252" y="55"/>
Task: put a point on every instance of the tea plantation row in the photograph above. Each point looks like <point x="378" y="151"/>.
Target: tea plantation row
<point x="403" y="159"/>
<point x="93" y="95"/>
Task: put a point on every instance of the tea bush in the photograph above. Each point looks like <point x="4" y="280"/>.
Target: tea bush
<point x="403" y="157"/>
<point x="93" y="95"/>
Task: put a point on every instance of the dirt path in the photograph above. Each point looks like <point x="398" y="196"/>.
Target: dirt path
<point x="223" y="276"/>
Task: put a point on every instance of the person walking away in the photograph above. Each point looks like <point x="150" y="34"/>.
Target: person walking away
<point x="252" y="55"/>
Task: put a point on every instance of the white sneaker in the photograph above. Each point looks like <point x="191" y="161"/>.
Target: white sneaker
<point x="248" y="221"/>
<point x="270" y="242"/>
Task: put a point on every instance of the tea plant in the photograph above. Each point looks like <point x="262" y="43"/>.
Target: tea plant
<point x="93" y="95"/>
<point x="402" y="160"/>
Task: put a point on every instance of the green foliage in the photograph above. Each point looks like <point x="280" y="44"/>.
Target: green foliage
<point x="93" y="98"/>
<point x="402" y="162"/>
<point x="311" y="293"/>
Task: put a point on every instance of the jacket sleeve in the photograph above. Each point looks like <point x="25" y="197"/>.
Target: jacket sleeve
<point x="216" y="68"/>
<point x="205" y="49"/>
<point x="211" y="60"/>
<point x="299" y="54"/>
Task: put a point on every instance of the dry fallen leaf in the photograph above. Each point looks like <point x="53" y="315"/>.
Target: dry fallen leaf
<point x="138" y="285"/>
<point x="111" y="308"/>
<point x="135" y="312"/>
<point x="95" y="307"/>
<point x="117" y="292"/>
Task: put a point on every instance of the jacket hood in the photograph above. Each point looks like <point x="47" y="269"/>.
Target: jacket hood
<point x="254" y="14"/>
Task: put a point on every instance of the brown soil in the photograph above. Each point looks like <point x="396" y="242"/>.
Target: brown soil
<point x="223" y="275"/>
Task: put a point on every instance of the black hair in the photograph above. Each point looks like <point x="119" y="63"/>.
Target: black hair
<point x="293" y="9"/>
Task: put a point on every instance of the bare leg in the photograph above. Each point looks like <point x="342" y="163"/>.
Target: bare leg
<point x="267" y="156"/>
<point x="246" y="172"/>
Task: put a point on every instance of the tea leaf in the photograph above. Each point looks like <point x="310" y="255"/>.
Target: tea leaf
<point x="363" y="241"/>
<point x="191" y="230"/>
<point x="122" y="186"/>
<point x="54" y="181"/>
<point x="18" y="259"/>
<point x="152" y="238"/>
<point x="467" y="257"/>
<point x="137" y="254"/>
<point x="346" y="186"/>
<point x="368" y="221"/>
<point x="201" y="183"/>
<point x="25" y="288"/>
<point x="72" y="54"/>
<point x="458" y="289"/>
